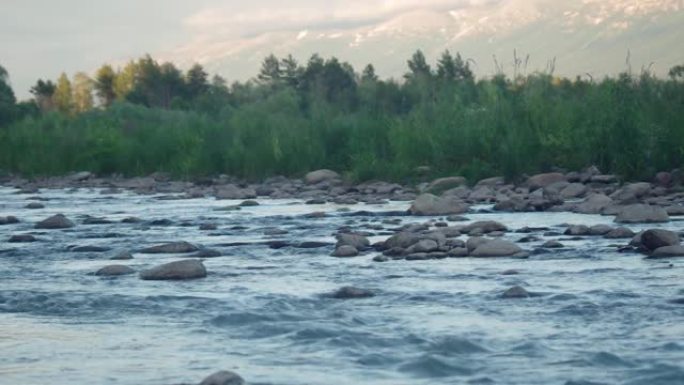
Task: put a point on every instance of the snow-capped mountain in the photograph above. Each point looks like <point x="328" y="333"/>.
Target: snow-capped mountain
<point x="595" y="37"/>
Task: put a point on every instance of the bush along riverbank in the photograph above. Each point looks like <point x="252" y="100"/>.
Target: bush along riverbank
<point x="293" y="118"/>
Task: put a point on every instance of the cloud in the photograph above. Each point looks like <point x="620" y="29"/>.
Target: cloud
<point x="247" y="20"/>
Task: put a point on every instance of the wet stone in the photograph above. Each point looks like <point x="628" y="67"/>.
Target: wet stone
<point x="171" y="248"/>
<point x="55" y="222"/>
<point x="515" y="292"/>
<point x="22" y="238"/>
<point x="179" y="270"/>
<point x="350" y="292"/>
<point x="223" y="377"/>
<point x="114" y="270"/>
<point x="35" y="206"/>
<point x="9" y="220"/>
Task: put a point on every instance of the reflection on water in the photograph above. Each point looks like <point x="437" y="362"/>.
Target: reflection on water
<point x="599" y="317"/>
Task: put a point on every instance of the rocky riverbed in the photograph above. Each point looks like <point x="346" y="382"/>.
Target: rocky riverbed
<point x="568" y="278"/>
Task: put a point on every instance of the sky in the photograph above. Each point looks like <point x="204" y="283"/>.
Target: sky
<point x="43" y="38"/>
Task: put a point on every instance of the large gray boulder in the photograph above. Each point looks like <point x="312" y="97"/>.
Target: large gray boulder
<point x="484" y="227"/>
<point x="668" y="252"/>
<point x="428" y="204"/>
<point x="542" y="180"/>
<point x="438" y="186"/>
<point x="401" y="240"/>
<point x="318" y="176"/>
<point x="234" y="192"/>
<point x="594" y="204"/>
<point x="574" y="190"/>
<point x="357" y="241"/>
<point x="171" y="248"/>
<point x="496" y="248"/>
<point x="656" y="238"/>
<point x="179" y="270"/>
<point x="345" y="251"/>
<point x="642" y="213"/>
<point x="631" y="192"/>
<point x="58" y="221"/>
<point x="114" y="271"/>
<point x="223" y="377"/>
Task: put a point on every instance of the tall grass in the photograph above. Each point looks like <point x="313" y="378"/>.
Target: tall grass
<point x="632" y="126"/>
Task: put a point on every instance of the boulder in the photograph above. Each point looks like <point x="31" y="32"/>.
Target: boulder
<point x="58" y="221"/>
<point x="604" y="179"/>
<point x="491" y="182"/>
<point x="401" y="240"/>
<point x="9" y="220"/>
<point x="357" y="241"/>
<point x="656" y="238"/>
<point x="223" y="377"/>
<point x="345" y="251"/>
<point x="663" y="179"/>
<point x="552" y="245"/>
<point x="35" y="206"/>
<point x="318" y="176"/>
<point x="423" y="246"/>
<point x="178" y="270"/>
<point x="577" y="230"/>
<point x="593" y="204"/>
<point x="350" y="292"/>
<point x="171" y="248"/>
<point x="114" y="270"/>
<point x="619" y="233"/>
<point x="22" y="238"/>
<point x="482" y="194"/>
<point x="428" y="204"/>
<point x="496" y="248"/>
<point x="600" y="230"/>
<point x="474" y="242"/>
<point x="631" y="192"/>
<point x="668" y="252"/>
<point x="675" y="210"/>
<point x="438" y="186"/>
<point x="573" y="190"/>
<point x="122" y="256"/>
<point x="484" y="227"/>
<point x="542" y="180"/>
<point x="234" y="192"/>
<point x="515" y="292"/>
<point x="642" y="213"/>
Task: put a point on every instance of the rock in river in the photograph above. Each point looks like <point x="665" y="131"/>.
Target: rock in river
<point x="223" y="377"/>
<point x="58" y="221"/>
<point x="668" y="252"/>
<point x="179" y="270"/>
<point x="171" y="248"/>
<point x="428" y="204"/>
<point x="8" y="220"/>
<point x="114" y="270"/>
<point x="350" y="292"/>
<point x="656" y="238"/>
<point x="515" y="292"/>
<point x="318" y="176"/>
<point x="642" y="213"/>
<point x="345" y="251"/>
<point x="496" y="248"/>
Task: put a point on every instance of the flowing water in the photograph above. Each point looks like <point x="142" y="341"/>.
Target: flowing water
<point x="598" y="317"/>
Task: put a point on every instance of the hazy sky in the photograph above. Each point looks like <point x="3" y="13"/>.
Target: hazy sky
<point x="42" y="38"/>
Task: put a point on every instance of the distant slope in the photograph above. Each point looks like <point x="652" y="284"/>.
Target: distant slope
<point x="585" y="37"/>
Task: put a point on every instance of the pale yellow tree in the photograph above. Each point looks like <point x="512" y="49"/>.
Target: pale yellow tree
<point x="82" y="92"/>
<point x="63" y="95"/>
<point x="125" y="80"/>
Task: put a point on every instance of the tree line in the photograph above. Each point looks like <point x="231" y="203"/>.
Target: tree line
<point x="147" y="116"/>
